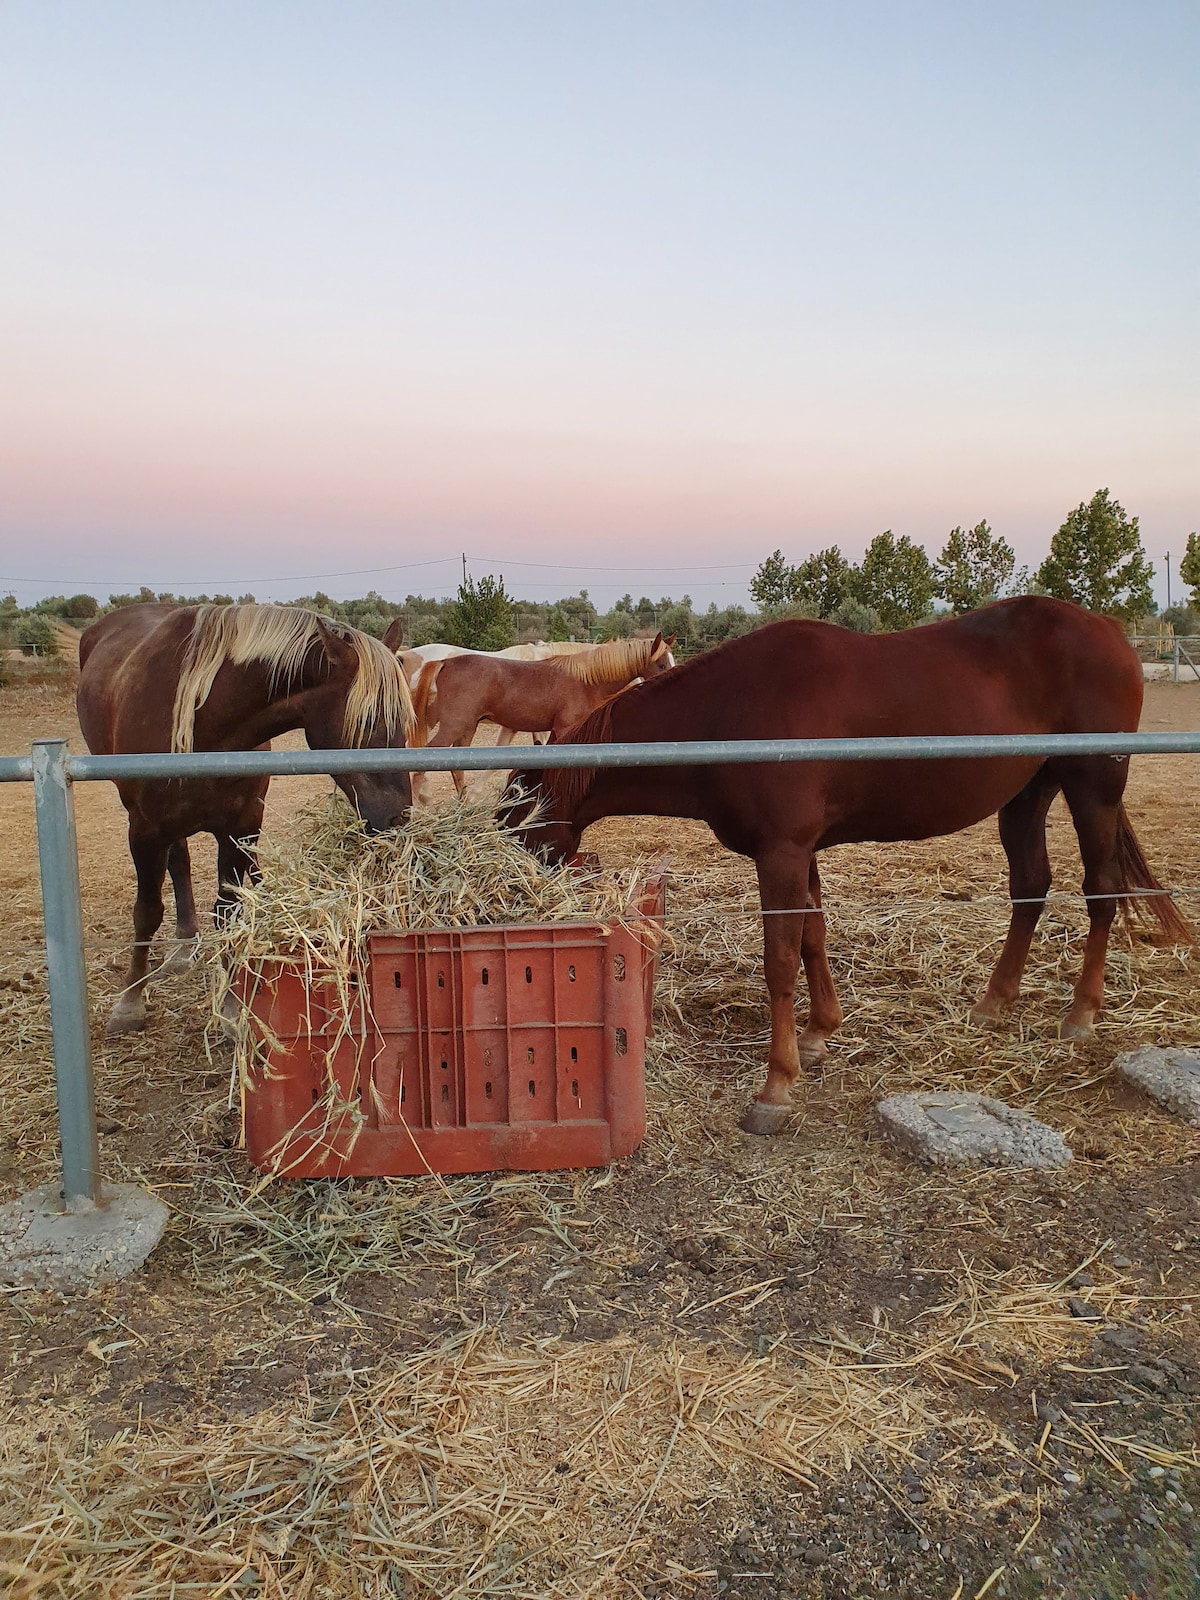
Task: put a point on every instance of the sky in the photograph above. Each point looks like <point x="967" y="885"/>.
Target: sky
<point x="602" y="294"/>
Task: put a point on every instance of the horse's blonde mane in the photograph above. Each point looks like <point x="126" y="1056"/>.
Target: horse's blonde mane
<point x="612" y="662"/>
<point x="281" y="637"/>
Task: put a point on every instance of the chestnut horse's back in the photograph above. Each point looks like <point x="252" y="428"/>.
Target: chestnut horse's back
<point x="115" y="674"/>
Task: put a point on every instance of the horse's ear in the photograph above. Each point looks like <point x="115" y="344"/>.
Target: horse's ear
<point x="656" y="644"/>
<point x="669" y="640"/>
<point x="394" y="637"/>
<point x="339" y="652"/>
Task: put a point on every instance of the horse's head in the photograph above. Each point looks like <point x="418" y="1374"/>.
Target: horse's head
<point x="660" y="659"/>
<point x="362" y="701"/>
<point x="530" y="806"/>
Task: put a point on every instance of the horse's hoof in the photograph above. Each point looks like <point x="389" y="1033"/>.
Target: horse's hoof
<point x="763" y="1118"/>
<point x="181" y="960"/>
<point x="1069" y="1029"/>
<point x="124" y="1022"/>
<point x="986" y="1016"/>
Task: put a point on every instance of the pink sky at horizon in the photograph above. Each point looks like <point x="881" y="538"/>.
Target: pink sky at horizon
<point x="527" y="292"/>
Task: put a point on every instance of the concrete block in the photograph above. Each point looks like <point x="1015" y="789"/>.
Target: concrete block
<point x="1172" y="1077"/>
<point x="953" y="1129"/>
<point x="43" y="1246"/>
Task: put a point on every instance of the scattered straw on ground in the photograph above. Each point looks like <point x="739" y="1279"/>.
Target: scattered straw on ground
<point x="494" y="1460"/>
<point x="532" y="1471"/>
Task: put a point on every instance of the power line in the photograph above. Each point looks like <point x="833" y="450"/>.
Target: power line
<point x="562" y="566"/>
<point x="366" y="572"/>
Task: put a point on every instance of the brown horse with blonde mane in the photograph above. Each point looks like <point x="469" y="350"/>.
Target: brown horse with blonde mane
<point x="1023" y="666"/>
<point x="164" y="677"/>
<point x="528" y="696"/>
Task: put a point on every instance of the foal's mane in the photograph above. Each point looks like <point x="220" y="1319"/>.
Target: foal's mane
<point x="607" y="663"/>
<point x="281" y="637"/>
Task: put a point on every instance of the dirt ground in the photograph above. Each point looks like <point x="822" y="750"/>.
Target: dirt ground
<point x="797" y="1367"/>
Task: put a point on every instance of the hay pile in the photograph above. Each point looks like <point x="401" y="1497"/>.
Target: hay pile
<point x="328" y="885"/>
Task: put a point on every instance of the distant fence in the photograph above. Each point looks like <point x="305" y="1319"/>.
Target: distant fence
<point x="1180" y="653"/>
<point x="53" y="772"/>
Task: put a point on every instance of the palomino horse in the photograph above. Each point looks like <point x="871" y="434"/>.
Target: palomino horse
<point x="528" y="696"/>
<point x="163" y="677"/>
<point x="1029" y="665"/>
<point x="420" y="659"/>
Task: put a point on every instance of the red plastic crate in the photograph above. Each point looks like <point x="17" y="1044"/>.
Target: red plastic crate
<point x="483" y="1049"/>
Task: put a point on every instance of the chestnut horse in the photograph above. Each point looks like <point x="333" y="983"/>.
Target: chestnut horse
<point x="1023" y="666"/>
<point x="527" y="696"/>
<point x="165" y="677"/>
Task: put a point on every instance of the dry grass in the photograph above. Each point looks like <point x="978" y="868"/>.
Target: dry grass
<point x="480" y="1456"/>
<point x="907" y="970"/>
<point x="465" y="1472"/>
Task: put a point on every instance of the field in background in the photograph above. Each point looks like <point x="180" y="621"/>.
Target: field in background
<point x="800" y="1366"/>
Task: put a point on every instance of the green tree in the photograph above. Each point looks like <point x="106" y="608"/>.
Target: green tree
<point x="677" y="617"/>
<point x="36" y="635"/>
<point x="481" y="618"/>
<point x="80" y="607"/>
<point x="975" y="567"/>
<point x="822" y="581"/>
<point x="558" y="627"/>
<point x="1096" y="559"/>
<point x="857" y="617"/>
<point x="896" y="580"/>
<point x="619" y="623"/>
<point x="721" y="623"/>
<point x="1189" y="567"/>
<point x="771" y="585"/>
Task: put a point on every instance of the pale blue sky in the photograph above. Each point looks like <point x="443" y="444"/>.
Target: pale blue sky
<point x="305" y="288"/>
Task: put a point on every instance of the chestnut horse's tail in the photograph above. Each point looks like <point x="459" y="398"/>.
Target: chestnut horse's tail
<point x="426" y="679"/>
<point x="1156" y="903"/>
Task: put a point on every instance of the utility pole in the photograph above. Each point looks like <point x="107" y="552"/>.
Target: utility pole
<point x="1168" y="560"/>
<point x="464" y="569"/>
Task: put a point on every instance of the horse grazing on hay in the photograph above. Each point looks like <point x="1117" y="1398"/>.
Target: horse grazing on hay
<point x="165" y="677"/>
<point x="1023" y="666"/>
<point x="527" y="696"/>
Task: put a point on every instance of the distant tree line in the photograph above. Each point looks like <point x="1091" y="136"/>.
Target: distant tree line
<point x="1095" y="559"/>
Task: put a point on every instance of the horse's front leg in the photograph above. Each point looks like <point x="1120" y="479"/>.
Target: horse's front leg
<point x="150" y="863"/>
<point x="783" y="885"/>
<point x="187" y="927"/>
<point x="236" y="861"/>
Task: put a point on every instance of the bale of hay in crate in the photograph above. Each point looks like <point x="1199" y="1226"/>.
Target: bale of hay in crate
<point x="383" y="1026"/>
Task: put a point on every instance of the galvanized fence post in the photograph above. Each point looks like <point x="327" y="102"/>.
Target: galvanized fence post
<point x="62" y="911"/>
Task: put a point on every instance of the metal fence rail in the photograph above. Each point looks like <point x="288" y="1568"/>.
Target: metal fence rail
<point x="53" y="772"/>
<point x="690" y="753"/>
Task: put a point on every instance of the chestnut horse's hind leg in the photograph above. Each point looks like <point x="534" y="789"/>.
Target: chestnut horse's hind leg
<point x="824" y="1011"/>
<point x="784" y="879"/>
<point x="150" y="862"/>
<point x="1093" y="793"/>
<point x="1023" y="835"/>
<point x="187" y="928"/>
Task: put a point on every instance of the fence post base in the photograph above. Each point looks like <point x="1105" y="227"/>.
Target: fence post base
<point x="44" y="1246"/>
